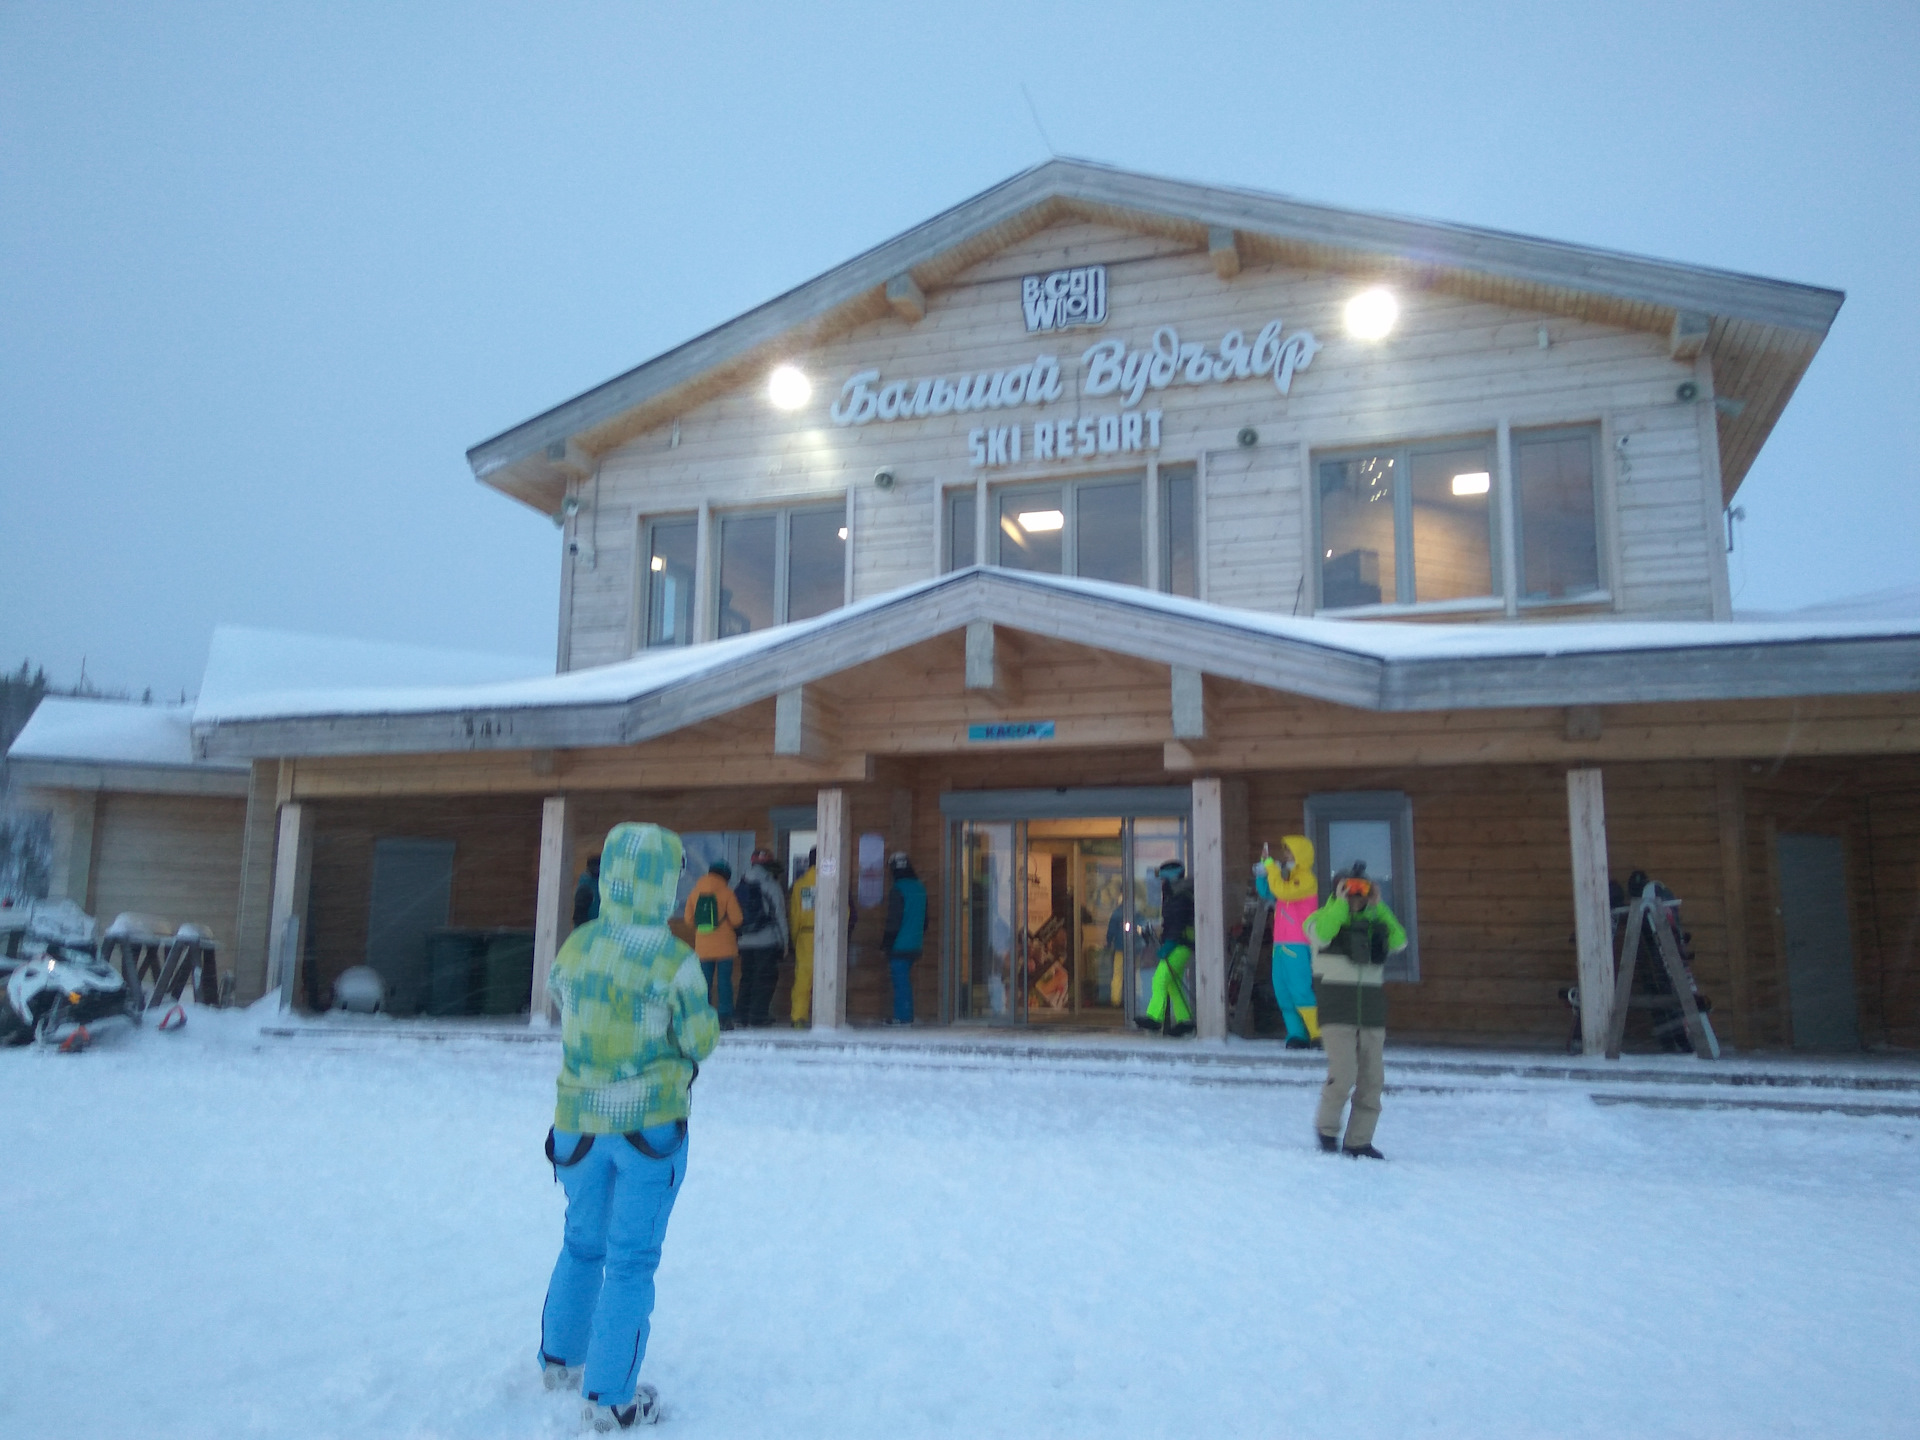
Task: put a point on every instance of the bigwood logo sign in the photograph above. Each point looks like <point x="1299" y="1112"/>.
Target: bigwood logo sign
<point x="1065" y="299"/>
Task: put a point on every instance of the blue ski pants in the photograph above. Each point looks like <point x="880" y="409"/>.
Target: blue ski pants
<point x="599" y="1303"/>
<point x="719" y="975"/>
<point x="1293" y="987"/>
<point x="900" y="971"/>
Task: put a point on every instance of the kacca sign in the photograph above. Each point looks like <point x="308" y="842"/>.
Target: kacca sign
<point x="1066" y="299"/>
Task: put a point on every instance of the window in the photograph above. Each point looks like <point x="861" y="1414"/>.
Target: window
<point x="1409" y="525"/>
<point x="671" y="548"/>
<point x="960" y="530"/>
<point x="1374" y="828"/>
<point x="780" y="566"/>
<point x="1179" y="531"/>
<point x="1554" y="505"/>
<point x="1095" y="528"/>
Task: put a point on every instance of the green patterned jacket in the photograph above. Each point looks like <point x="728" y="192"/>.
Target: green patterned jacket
<point x="634" y="1018"/>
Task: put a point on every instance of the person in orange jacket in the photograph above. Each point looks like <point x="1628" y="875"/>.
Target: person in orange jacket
<point x="714" y="913"/>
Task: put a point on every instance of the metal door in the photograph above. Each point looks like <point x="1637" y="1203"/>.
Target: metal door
<point x="412" y="895"/>
<point x="1819" y="937"/>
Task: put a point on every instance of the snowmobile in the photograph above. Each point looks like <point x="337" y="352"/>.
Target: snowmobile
<point x="55" y="996"/>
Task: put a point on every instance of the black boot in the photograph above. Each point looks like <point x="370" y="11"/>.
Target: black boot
<point x="1179" y="1028"/>
<point x="1146" y="1022"/>
<point x="1363" y="1152"/>
<point x="1329" y="1144"/>
<point x="1299" y="1042"/>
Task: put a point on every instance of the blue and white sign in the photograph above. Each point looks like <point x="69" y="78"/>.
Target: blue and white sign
<point x="1011" y="730"/>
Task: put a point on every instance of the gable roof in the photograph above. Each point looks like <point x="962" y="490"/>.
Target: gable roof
<point x="1369" y="666"/>
<point x="1763" y="332"/>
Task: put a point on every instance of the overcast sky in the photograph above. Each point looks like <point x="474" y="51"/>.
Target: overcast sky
<point x="266" y="271"/>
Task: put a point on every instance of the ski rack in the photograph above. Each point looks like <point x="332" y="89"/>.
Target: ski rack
<point x="1646" y="905"/>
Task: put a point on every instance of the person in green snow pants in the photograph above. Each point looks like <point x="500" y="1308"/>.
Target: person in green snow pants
<point x="1176" y="953"/>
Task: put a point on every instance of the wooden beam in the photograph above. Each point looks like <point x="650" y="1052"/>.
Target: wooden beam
<point x="1219" y="815"/>
<point x="830" y="912"/>
<point x="253" y="920"/>
<point x="992" y="662"/>
<point x="292" y="878"/>
<point x="806" y="723"/>
<point x="909" y="302"/>
<point x="1691" y="330"/>
<point x="1189" y="703"/>
<point x="1592" y="909"/>
<point x="1731" y="802"/>
<point x="552" y="914"/>
<point x="1223" y="248"/>
<point x="1583" y="723"/>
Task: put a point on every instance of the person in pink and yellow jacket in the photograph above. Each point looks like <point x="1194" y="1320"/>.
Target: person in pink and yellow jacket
<point x="1287" y="879"/>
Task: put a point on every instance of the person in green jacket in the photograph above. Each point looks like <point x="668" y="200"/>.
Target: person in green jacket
<point x="634" y="1026"/>
<point x="1353" y="933"/>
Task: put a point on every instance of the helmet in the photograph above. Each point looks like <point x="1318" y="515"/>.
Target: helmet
<point x="1171" y="870"/>
<point x="762" y="856"/>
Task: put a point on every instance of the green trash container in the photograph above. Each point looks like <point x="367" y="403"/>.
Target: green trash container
<point x="508" y="970"/>
<point x="456" y="971"/>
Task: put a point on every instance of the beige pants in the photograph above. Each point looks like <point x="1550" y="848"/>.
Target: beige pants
<point x="1354" y="1067"/>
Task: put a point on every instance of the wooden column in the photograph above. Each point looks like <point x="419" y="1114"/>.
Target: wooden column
<point x="1731" y="797"/>
<point x="830" y="914"/>
<point x="552" y="915"/>
<point x="1592" y="910"/>
<point x="292" y="876"/>
<point x="252" y="921"/>
<point x="1219" y="837"/>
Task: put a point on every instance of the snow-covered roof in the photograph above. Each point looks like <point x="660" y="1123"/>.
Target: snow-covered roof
<point x="1376" y="665"/>
<point x="109" y="732"/>
<point x="1897" y="603"/>
<point x="252" y="671"/>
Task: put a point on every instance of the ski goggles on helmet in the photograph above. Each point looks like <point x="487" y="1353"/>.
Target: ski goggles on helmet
<point x="1358" y="893"/>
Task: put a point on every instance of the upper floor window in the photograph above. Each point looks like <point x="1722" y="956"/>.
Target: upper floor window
<point x="1096" y="527"/>
<point x="1408" y="525"/>
<point x="781" y="565"/>
<point x="672" y="548"/>
<point x="1556" y="513"/>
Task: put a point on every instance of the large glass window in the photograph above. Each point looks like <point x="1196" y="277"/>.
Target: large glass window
<point x="1374" y="829"/>
<point x="780" y="566"/>
<point x="960" y="530"/>
<point x="1410" y="525"/>
<point x="1559" y="534"/>
<point x="1179" y="531"/>
<point x="816" y="562"/>
<point x="671" y="549"/>
<point x="1094" y="527"/>
<point x="1109" y="537"/>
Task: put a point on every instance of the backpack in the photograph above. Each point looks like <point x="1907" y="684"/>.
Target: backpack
<point x="706" y="914"/>
<point x="753" y="905"/>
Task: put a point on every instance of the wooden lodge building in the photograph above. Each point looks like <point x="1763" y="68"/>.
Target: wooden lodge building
<point x="1103" y="520"/>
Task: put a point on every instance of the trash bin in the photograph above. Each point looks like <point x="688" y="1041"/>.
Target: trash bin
<point x="456" y="971"/>
<point x="508" y="970"/>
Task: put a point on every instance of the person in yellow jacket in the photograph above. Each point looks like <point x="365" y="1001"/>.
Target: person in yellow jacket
<point x="713" y="910"/>
<point x="1288" y="880"/>
<point x="800" y="927"/>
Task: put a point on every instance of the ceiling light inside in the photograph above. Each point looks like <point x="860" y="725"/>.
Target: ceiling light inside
<point x="1035" y="522"/>
<point x="843" y="532"/>
<point x="1474" y="482"/>
<point x="659" y="564"/>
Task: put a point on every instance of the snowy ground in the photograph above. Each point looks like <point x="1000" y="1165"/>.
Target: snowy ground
<point x="212" y="1234"/>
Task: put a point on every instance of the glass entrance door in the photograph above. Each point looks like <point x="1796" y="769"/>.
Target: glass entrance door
<point x="1057" y="921"/>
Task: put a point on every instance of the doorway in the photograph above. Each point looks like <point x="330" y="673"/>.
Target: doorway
<point x="1819" y="943"/>
<point x="1056" y="919"/>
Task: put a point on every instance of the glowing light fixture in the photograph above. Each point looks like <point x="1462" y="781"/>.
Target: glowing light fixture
<point x="659" y="563"/>
<point x="1371" y="314"/>
<point x="1474" y="482"/>
<point x="843" y="532"/>
<point x="1035" y="522"/>
<point x="788" y="388"/>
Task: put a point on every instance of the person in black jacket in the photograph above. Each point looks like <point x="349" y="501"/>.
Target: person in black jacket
<point x="586" y="893"/>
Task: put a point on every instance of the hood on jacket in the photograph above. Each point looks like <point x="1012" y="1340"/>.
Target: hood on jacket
<point x="639" y="874"/>
<point x="1301" y="884"/>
